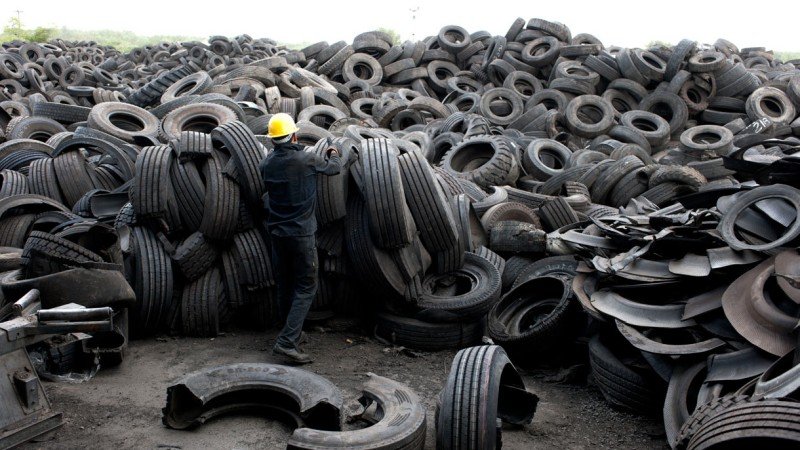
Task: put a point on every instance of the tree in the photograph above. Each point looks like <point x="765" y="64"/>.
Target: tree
<point x="392" y="33"/>
<point x="15" y="31"/>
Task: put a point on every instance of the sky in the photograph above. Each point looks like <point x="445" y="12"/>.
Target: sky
<point x="624" y="23"/>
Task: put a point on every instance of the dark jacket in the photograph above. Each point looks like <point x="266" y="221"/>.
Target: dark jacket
<point x="290" y="175"/>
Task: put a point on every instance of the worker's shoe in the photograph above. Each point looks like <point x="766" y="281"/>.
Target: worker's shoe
<point x="292" y="355"/>
<point x="303" y="337"/>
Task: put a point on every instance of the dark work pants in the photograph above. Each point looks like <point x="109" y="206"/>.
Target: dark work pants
<point x="295" y="260"/>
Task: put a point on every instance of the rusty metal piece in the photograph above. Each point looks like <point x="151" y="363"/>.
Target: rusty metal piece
<point x="203" y="395"/>
<point x="756" y="317"/>
<point x="400" y="421"/>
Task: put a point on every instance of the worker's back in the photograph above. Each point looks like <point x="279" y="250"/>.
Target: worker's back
<point x="290" y="178"/>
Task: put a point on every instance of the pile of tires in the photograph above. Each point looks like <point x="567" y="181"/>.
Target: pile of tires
<point x="534" y="186"/>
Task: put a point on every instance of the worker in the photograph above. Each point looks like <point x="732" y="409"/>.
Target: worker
<point x="290" y="176"/>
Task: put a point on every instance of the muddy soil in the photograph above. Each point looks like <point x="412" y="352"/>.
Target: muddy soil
<point x="121" y="407"/>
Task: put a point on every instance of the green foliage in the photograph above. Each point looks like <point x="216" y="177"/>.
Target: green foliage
<point x="658" y="44"/>
<point x="121" y="40"/>
<point x="393" y="33"/>
<point x="787" y="56"/>
<point x="15" y="31"/>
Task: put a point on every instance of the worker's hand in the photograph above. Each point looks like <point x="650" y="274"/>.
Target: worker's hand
<point x="332" y="152"/>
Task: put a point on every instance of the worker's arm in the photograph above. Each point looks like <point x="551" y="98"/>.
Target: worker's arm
<point x="330" y="166"/>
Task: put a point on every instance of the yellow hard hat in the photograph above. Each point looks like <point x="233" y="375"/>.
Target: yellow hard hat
<point x="281" y="125"/>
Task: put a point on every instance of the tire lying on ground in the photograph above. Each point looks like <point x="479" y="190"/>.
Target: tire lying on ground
<point x="427" y="336"/>
<point x="534" y="317"/>
<point x="482" y="386"/>
<point x="399" y="422"/>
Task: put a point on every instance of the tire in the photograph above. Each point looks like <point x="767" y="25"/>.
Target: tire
<point x="630" y="186"/>
<point x="427" y="202"/>
<point x="200" y="305"/>
<point x="516" y="237"/>
<point x="123" y="121"/>
<point x="14" y="230"/>
<point x="426" y="336"/>
<point x="509" y="211"/>
<point x="498" y="261"/>
<point x="149" y="271"/>
<point x="622" y="385"/>
<point x="221" y="201"/>
<point x="535" y="317"/>
<point x="677" y="174"/>
<point x="553" y="152"/>
<point x="36" y="128"/>
<point x="653" y="127"/>
<point x="611" y="176"/>
<point x="194" y="84"/>
<point x="45" y="253"/>
<point x="202" y="117"/>
<point x="246" y="153"/>
<point x="190" y="193"/>
<point x="73" y="175"/>
<point x="589" y="116"/>
<point x="667" y="105"/>
<point x="476" y="394"/>
<point x="151" y="191"/>
<point x="664" y="194"/>
<point x="474" y="302"/>
<point x="12" y="183"/>
<point x="65" y="114"/>
<point x="557" y="213"/>
<point x="195" y="256"/>
<point x="771" y="103"/>
<point x="401" y="425"/>
<point x="484" y="160"/>
<point x="253" y="258"/>
<point x="510" y="96"/>
<point x="391" y="223"/>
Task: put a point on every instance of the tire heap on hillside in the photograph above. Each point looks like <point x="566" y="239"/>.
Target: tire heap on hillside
<point x="480" y="170"/>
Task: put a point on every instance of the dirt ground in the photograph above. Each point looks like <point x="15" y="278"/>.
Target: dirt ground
<point x="121" y="407"/>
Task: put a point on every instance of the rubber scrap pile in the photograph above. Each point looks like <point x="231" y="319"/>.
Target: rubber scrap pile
<point x="538" y="186"/>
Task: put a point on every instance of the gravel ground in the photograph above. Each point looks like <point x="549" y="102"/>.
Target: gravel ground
<point x="121" y="407"/>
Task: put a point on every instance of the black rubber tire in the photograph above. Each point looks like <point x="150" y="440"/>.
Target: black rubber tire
<point x="202" y="117"/>
<point x="557" y="213"/>
<point x="12" y="183"/>
<point x="557" y="155"/>
<point x="65" y="114"/>
<point x="494" y="161"/>
<point x="664" y="194"/>
<point x="194" y="256"/>
<point x="194" y="84"/>
<point x="332" y="190"/>
<point x="427" y="202"/>
<point x="606" y="181"/>
<point x="151" y="191"/>
<point x="14" y="230"/>
<point x="535" y="317"/>
<point x="253" y="257"/>
<point x="149" y="271"/>
<point x="200" y="305"/>
<point x="677" y="174"/>
<point x="36" y="128"/>
<point x="621" y="385"/>
<point x="391" y="223"/>
<point x="630" y="186"/>
<point x="123" y="121"/>
<point x="426" y="336"/>
<point x="510" y="237"/>
<point x="247" y="153"/>
<point x="652" y="126"/>
<point x="73" y="175"/>
<point x="189" y="193"/>
<point x="670" y="107"/>
<point x="470" y="304"/>
<point x="583" y="125"/>
<point x="509" y="211"/>
<point x="510" y="96"/>
<point x="221" y="201"/>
